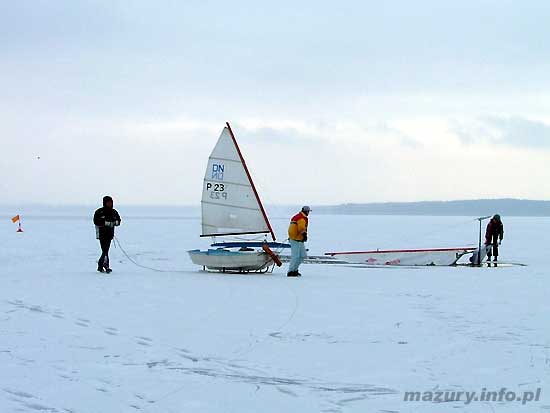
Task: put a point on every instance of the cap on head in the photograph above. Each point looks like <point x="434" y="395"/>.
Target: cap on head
<point x="106" y="200"/>
<point x="306" y="209"/>
<point x="496" y="217"/>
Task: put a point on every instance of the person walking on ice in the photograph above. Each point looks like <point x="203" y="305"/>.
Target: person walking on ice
<point x="105" y="220"/>
<point x="297" y="234"/>
<point x="493" y="238"/>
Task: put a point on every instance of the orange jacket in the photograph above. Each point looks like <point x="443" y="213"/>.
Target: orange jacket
<point x="298" y="227"/>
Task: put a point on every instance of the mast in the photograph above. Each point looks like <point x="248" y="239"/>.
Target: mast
<point x="251" y="181"/>
<point x="479" y="258"/>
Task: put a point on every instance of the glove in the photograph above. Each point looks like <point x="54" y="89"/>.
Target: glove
<point x="305" y="236"/>
<point x="109" y="224"/>
<point x="499" y="242"/>
<point x="117" y="223"/>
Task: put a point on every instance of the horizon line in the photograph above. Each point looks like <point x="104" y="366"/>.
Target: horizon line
<point x="185" y="205"/>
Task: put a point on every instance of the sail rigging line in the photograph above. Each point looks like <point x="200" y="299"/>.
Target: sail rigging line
<point x="224" y="182"/>
<point x="230" y="206"/>
<point x="251" y="181"/>
<point x="217" y="158"/>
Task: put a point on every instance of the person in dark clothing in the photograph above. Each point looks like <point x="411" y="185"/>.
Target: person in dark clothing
<point x="105" y="220"/>
<point x="493" y="238"/>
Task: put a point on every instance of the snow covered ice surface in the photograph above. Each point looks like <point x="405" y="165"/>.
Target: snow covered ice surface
<point x="338" y="339"/>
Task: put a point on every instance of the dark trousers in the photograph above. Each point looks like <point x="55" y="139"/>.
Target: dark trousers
<point x="104" y="259"/>
<point x="494" y="248"/>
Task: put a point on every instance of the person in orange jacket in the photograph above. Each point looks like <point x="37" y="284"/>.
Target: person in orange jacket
<point x="297" y="234"/>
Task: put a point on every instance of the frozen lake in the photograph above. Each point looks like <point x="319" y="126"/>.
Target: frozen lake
<point x="338" y="339"/>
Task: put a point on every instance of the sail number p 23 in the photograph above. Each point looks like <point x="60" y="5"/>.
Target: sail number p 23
<point x="216" y="191"/>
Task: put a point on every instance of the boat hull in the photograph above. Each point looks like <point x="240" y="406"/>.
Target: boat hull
<point x="235" y="261"/>
<point x="434" y="256"/>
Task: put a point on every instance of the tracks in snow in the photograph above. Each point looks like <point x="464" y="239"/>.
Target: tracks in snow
<point x="176" y="363"/>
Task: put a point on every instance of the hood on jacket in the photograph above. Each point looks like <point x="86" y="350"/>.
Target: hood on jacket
<point x="106" y="199"/>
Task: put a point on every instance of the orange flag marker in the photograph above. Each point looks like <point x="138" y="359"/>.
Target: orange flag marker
<point x="15" y="219"/>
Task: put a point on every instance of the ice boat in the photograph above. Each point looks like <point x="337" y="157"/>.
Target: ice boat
<point x="225" y="260"/>
<point x="231" y="207"/>
<point x="431" y="256"/>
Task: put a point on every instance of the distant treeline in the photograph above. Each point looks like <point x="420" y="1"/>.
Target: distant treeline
<point x="477" y="207"/>
<point x="470" y="208"/>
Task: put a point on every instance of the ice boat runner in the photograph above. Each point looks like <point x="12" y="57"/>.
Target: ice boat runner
<point x="232" y="207"/>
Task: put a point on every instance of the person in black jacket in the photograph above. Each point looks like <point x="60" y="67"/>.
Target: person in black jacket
<point x="105" y="220"/>
<point x="493" y="238"/>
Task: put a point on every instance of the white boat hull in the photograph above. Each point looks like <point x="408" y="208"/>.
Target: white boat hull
<point x="225" y="260"/>
<point x="433" y="256"/>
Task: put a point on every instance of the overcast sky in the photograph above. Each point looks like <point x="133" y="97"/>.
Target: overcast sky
<point x="333" y="102"/>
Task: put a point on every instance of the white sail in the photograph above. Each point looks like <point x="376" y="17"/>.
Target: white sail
<point x="230" y="204"/>
<point x="432" y="256"/>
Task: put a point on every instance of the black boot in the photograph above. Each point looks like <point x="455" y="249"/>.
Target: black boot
<point x="292" y="274"/>
<point x="99" y="268"/>
<point x="106" y="265"/>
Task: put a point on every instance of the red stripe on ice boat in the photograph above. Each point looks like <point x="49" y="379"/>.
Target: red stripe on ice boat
<point x="393" y="251"/>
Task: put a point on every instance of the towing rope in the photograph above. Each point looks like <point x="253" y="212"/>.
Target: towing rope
<point x="117" y="243"/>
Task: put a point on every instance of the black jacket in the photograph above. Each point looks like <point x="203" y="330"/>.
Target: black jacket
<point x="494" y="232"/>
<point x="105" y="219"/>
